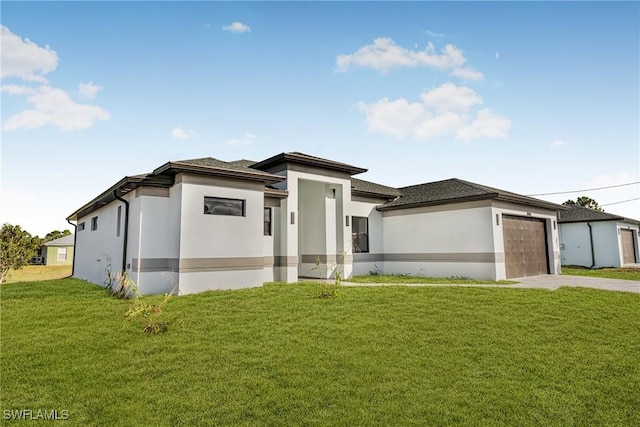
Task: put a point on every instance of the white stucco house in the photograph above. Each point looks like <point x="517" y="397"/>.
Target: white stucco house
<point x="205" y="224"/>
<point x="595" y="239"/>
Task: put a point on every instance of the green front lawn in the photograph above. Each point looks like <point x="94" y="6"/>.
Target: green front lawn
<point x="626" y="273"/>
<point x="406" y="279"/>
<point x="278" y="355"/>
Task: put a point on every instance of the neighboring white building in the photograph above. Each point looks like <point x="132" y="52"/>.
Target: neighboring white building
<point x="597" y="239"/>
<point x="205" y="224"/>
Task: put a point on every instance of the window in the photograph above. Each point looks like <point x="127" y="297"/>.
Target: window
<point x="81" y="226"/>
<point x="219" y="206"/>
<point x="62" y="254"/>
<point x="360" y="234"/>
<point x="267" y="221"/>
<point x="119" y="220"/>
<point x="94" y="223"/>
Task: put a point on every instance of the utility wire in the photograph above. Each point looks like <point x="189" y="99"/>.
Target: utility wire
<point x="624" y="201"/>
<point x="588" y="189"/>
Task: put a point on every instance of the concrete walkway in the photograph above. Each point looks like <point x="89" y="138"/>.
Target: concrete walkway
<point x="551" y="282"/>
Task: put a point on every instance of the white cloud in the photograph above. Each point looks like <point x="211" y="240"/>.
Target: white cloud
<point x="246" y="139"/>
<point x="467" y="73"/>
<point x="182" y="133"/>
<point x="383" y="54"/>
<point x="445" y="110"/>
<point x="434" y="34"/>
<point x="237" y="27"/>
<point x="88" y="90"/>
<point x="52" y="107"/>
<point x="449" y="97"/>
<point x="24" y="59"/>
<point x="487" y="124"/>
<point x="396" y="118"/>
<point x="557" y="144"/>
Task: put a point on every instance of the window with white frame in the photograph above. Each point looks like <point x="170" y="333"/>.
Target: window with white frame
<point x="62" y="254"/>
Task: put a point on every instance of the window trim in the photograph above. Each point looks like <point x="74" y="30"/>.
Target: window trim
<point x="355" y="248"/>
<point x="81" y="226"/>
<point x="61" y="251"/>
<point x="223" y="199"/>
<point x="94" y="223"/>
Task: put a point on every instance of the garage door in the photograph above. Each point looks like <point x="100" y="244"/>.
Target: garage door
<point x="628" y="247"/>
<point x="525" y="246"/>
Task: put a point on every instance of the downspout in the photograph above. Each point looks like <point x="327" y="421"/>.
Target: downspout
<point x="126" y="230"/>
<point x="75" y="238"/>
<point x="593" y="257"/>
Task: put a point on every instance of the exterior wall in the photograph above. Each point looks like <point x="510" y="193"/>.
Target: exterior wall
<point x="462" y="239"/>
<point x="575" y="244"/>
<point x="101" y="249"/>
<point x="50" y="254"/>
<point x="551" y="224"/>
<point x="218" y="251"/>
<point x="607" y="248"/>
<point x="153" y="241"/>
<point x="440" y="241"/>
<point x="363" y="263"/>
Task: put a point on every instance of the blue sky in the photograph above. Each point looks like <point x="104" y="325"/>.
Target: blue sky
<point x="532" y="97"/>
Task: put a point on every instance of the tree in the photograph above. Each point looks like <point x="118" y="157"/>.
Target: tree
<point x="586" y="202"/>
<point x="55" y="234"/>
<point x="16" y="248"/>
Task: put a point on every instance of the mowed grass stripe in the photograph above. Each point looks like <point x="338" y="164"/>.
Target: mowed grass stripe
<point x="278" y="355"/>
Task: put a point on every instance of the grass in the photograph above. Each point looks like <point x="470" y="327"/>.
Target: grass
<point x="279" y="355"/>
<point x="33" y="273"/>
<point x="406" y="279"/>
<point x="625" y="273"/>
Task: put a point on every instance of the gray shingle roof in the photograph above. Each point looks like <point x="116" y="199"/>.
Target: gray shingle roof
<point x="456" y="190"/>
<point x="62" y="241"/>
<point x="582" y="214"/>
<point x="367" y="187"/>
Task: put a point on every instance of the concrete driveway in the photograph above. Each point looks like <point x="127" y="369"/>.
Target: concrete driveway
<point x="554" y="282"/>
<point x="551" y="282"/>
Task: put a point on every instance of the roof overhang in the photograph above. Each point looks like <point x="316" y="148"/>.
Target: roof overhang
<point x="173" y="168"/>
<point x="303" y="159"/>
<point x="122" y="187"/>
<point x="489" y="196"/>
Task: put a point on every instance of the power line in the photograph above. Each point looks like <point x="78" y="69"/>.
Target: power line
<point x="588" y="189"/>
<point x="624" y="201"/>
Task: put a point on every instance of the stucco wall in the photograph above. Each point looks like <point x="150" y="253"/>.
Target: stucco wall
<point x="154" y="224"/>
<point x="363" y="263"/>
<point x="440" y="241"/>
<point x="607" y="249"/>
<point x="214" y="246"/>
<point x="96" y="249"/>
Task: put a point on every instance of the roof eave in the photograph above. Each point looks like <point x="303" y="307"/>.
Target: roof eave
<point x="437" y="202"/>
<point x="293" y="158"/>
<point x="176" y="167"/>
<point x="362" y="193"/>
<point x="124" y="186"/>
